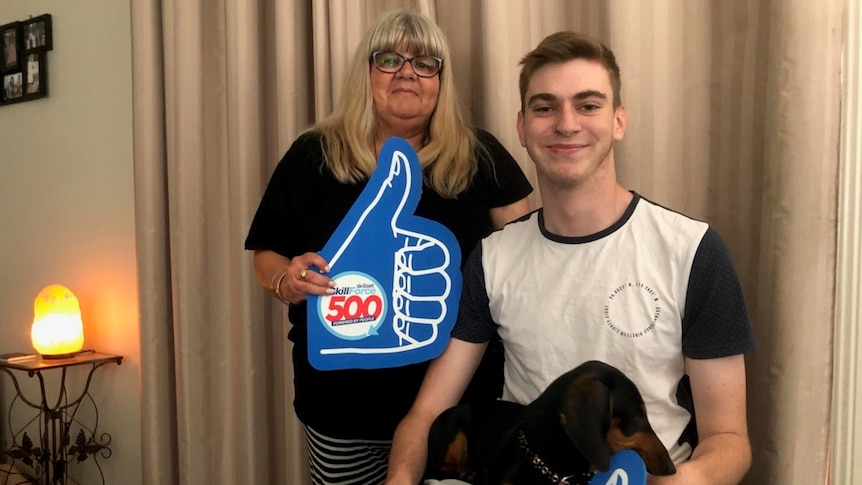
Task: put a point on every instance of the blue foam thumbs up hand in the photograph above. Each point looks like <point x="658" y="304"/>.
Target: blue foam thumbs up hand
<point x="397" y="276"/>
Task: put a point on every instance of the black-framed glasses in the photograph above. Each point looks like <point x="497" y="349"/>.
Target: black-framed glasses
<point x="392" y="62"/>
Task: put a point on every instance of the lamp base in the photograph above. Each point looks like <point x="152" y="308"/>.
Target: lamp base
<point x="58" y="356"/>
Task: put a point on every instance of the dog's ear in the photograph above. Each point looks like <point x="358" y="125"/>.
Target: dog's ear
<point x="447" y="445"/>
<point x="630" y="429"/>
<point x="586" y="415"/>
<point x="645" y="442"/>
<point x="456" y="461"/>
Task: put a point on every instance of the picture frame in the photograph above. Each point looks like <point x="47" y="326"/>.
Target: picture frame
<point x="13" y="87"/>
<point x="35" y="75"/>
<point x="36" y="34"/>
<point x="24" y="46"/>
<point x="10" y="47"/>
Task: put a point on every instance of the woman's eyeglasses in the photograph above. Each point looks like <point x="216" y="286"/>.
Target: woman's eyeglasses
<point x="392" y="62"/>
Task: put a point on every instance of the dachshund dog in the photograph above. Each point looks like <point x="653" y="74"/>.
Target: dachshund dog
<point x="564" y="436"/>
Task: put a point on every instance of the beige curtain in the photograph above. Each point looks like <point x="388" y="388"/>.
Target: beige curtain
<point x="734" y="117"/>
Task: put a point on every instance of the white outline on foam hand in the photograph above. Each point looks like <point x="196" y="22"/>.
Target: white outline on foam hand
<point x="618" y="477"/>
<point x="404" y="272"/>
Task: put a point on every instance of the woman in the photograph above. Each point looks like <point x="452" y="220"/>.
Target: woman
<point x="399" y="84"/>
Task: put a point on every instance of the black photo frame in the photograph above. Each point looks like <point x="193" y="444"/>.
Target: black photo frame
<point x="36" y="34"/>
<point x="35" y="75"/>
<point x="24" y="45"/>
<point x="10" y="47"/>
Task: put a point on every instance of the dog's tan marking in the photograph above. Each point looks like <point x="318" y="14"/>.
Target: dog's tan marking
<point x="456" y="455"/>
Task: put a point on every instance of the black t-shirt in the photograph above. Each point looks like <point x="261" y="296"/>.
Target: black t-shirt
<point x="301" y="208"/>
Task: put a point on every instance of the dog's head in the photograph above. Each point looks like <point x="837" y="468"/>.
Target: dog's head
<point x="602" y="412"/>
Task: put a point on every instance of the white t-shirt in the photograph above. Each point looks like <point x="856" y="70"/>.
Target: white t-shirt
<point x="641" y="295"/>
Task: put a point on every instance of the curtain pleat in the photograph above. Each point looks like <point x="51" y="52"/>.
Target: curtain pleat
<point x="733" y="109"/>
<point x="289" y="110"/>
<point x="160" y="462"/>
<point x="791" y="374"/>
<point x="215" y="371"/>
<point x="253" y="381"/>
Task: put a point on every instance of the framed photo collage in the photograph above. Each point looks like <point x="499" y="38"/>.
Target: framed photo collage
<point x="23" y="59"/>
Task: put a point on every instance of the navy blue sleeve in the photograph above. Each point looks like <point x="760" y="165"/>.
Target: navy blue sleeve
<point x="716" y="321"/>
<point x="474" y="322"/>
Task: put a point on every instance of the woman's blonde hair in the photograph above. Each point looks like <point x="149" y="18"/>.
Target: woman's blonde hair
<point x="447" y="154"/>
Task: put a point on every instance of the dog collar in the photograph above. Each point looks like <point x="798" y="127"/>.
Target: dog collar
<point x="582" y="478"/>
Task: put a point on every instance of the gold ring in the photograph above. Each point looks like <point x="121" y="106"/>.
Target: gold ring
<point x="302" y="274"/>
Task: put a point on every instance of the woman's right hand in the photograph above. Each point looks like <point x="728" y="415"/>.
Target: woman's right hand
<point x="291" y="279"/>
<point x="299" y="281"/>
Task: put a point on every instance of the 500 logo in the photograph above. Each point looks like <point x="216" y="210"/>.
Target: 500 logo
<point x="356" y="309"/>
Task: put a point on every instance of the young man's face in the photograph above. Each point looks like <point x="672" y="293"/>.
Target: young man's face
<point x="569" y="125"/>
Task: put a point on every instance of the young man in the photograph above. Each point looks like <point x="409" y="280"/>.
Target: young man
<point x="599" y="273"/>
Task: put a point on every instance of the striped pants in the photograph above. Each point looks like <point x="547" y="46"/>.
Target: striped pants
<point x="346" y="462"/>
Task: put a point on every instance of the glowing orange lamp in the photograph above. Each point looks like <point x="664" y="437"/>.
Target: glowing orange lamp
<point x="58" y="331"/>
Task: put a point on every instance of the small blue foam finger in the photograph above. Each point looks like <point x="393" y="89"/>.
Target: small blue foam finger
<point x="627" y="468"/>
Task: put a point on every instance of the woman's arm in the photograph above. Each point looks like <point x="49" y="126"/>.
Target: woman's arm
<point x="500" y="216"/>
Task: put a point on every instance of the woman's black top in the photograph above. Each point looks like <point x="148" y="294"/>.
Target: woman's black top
<point x="301" y="208"/>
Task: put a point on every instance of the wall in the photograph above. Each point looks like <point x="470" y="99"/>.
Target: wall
<point x="67" y="208"/>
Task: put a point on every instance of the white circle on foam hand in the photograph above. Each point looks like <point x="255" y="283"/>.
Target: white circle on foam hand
<point x="356" y="309"/>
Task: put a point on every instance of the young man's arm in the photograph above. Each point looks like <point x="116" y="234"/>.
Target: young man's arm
<point x="723" y="454"/>
<point x="445" y="382"/>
